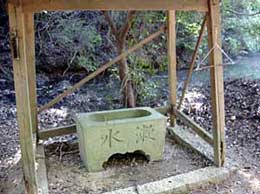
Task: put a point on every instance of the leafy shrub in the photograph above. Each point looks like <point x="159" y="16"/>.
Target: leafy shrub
<point x="241" y="31"/>
<point x="139" y="70"/>
<point x="69" y="40"/>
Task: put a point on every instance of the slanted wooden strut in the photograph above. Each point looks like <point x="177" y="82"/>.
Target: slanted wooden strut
<point x="101" y="69"/>
<point x="194" y="56"/>
<point x="194" y="126"/>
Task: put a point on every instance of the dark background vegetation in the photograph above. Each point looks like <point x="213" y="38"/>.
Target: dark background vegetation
<point x="82" y="40"/>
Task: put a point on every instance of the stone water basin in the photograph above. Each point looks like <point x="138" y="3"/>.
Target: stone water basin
<point x="103" y="134"/>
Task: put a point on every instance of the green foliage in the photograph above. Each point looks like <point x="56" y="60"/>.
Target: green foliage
<point x="88" y="62"/>
<point x="240" y="30"/>
<point x="142" y="63"/>
<point x="83" y="39"/>
<point x="76" y="40"/>
<point x="71" y="36"/>
<point x="138" y="72"/>
<point x="163" y="63"/>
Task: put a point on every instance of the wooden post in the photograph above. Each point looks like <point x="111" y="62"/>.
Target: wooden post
<point x="172" y="63"/>
<point x="217" y="86"/>
<point x="30" y="57"/>
<point x="22" y="70"/>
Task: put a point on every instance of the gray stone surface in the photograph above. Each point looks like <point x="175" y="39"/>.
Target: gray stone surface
<point x="185" y="182"/>
<point x="181" y="183"/>
<point x="102" y="134"/>
<point x="129" y="190"/>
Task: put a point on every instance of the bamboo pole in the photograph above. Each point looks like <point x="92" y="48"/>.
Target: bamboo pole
<point x="187" y="81"/>
<point x="101" y="69"/>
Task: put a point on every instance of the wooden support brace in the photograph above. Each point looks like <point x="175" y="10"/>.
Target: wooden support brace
<point x="194" y="126"/>
<point x="172" y="66"/>
<point x="217" y="86"/>
<point x="195" y="54"/>
<point x="101" y="69"/>
<point x="59" y="131"/>
<point x="20" y="26"/>
<point x="30" y="57"/>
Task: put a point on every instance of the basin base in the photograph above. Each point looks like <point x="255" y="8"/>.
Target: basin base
<point x="103" y="134"/>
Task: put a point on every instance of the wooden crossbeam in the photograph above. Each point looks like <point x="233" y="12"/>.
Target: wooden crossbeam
<point x="101" y="69"/>
<point x="194" y="126"/>
<point x="54" y="5"/>
<point x="58" y="131"/>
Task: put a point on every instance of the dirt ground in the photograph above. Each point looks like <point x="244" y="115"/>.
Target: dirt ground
<point x="242" y="99"/>
<point x="245" y="181"/>
<point x="121" y="171"/>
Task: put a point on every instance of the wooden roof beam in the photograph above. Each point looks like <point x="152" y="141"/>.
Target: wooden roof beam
<point x="55" y="5"/>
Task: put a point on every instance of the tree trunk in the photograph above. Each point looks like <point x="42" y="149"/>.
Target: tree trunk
<point x="127" y="87"/>
<point x="120" y="36"/>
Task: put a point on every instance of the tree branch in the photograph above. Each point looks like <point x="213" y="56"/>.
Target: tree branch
<point x="111" y="23"/>
<point x="124" y="30"/>
<point x="2" y="4"/>
<point x="243" y="14"/>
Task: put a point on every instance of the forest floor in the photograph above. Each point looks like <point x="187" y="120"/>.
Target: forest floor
<point x="242" y="100"/>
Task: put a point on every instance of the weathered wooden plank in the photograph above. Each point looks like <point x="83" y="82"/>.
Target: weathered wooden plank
<point x="194" y="126"/>
<point x="217" y="86"/>
<point x="41" y="170"/>
<point x="59" y="131"/>
<point x="30" y="58"/>
<point x="186" y="138"/>
<point x="21" y="69"/>
<point x="101" y="69"/>
<point x="39" y="5"/>
<point x="193" y="60"/>
<point x="172" y="64"/>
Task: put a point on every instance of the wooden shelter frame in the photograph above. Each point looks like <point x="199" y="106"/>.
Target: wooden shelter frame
<point x="23" y="54"/>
